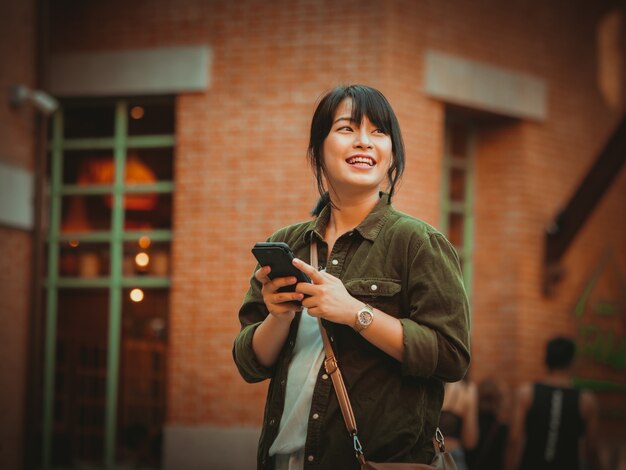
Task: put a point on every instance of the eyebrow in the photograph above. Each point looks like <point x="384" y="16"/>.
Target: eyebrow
<point x="343" y="118"/>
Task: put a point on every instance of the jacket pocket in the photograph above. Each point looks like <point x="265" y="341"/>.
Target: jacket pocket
<point x="379" y="293"/>
<point x="373" y="287"/>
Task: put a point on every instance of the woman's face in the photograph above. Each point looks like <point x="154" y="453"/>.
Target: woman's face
<point x="356" y="155"/>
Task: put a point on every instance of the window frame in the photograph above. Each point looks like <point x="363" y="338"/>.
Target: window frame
<point x="465" y="208"/>
<point x="115" y="282"/>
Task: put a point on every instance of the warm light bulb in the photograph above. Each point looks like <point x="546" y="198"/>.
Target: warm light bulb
<point x="136" y="295"/>
<point x="144" y="242"/>
<point x="136" y="112"/>
<point x="142" y="259"/>
<point x="73" y="243"/>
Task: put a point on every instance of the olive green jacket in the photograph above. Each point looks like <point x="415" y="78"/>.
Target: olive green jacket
<point x="407" y="269"/>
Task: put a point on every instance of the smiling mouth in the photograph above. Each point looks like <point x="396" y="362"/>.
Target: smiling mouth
<point x="361" y="160"/>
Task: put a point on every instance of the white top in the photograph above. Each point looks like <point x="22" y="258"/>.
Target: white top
<point x="308" y="356"/>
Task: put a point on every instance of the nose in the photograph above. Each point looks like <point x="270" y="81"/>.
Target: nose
<point x="362" y="139"/>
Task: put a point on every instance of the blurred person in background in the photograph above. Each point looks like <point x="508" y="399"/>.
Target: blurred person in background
<point x="390" y="296"/>
<point x="492" y="432"/>
<point x="459" y="419"/>
<point x="552" y="420"/>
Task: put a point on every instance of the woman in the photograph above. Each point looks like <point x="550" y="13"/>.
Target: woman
<point x="390" y="296"/>
<point x="459" y="419"/>
<point x="492" y="432"/>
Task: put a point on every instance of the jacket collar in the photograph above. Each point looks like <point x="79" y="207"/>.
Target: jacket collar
<point x="369" y="227"/>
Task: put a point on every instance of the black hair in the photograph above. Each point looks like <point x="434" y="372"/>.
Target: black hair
<point x="560" y="352"/>
<point x="366" y="101"/>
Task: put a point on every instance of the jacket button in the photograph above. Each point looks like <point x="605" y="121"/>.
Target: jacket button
<point x="374" y="287"/>
<point x="335" y="262"/>
<point x="325" y="376"/>
<point x="315" y="416"/>
<point x="310" y="458"/>
<point x="272" y="422"/>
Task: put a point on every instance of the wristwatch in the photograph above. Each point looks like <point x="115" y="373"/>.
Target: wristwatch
<point x="364" y="318"/>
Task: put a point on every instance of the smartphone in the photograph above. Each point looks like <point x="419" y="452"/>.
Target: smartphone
<point x="279" y="257"/>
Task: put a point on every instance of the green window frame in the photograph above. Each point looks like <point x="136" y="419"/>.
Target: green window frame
<point x="457" y="191"/>
<point x="115" y="281"/>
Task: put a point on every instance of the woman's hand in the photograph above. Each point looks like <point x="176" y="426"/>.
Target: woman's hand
<point x="271" y="334"/>
<point x="280" y="304"/>
<point x="327" y="296"/>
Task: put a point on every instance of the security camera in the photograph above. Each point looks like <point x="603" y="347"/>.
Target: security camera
<point x="45" y="103"/>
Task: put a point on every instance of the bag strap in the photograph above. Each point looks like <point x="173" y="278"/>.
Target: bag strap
<point x="332" y="369"/>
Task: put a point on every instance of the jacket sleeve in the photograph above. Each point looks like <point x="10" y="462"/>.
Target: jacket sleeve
<point x="251" y="315"/>
<point x="437" y="332"/>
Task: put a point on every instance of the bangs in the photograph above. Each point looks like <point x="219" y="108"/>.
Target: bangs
<point x="371" y="103"/>
<point x="366" y="101"/>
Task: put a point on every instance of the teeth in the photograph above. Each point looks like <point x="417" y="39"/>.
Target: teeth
<point x="365" y="160"/>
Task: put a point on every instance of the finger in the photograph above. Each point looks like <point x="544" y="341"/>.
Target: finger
<point x="283" y="297"/>
<point x="285" y="308"/>
<point x="261" y="274"/>
<point x="279" y="282"/>
<point x="309" y="302"/>
<point x="307" y="288"/>
<point x="314" y="312"/>
<point x="309" y="270"/>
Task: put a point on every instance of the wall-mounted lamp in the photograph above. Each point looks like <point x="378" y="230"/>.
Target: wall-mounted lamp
<point x="19" y="94"/>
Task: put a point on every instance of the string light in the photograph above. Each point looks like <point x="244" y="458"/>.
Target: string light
<point x="144" y="242"/>
<point x="136" y="295"/>
<point x="136" y="112"/>
<point x="142" y="259"/>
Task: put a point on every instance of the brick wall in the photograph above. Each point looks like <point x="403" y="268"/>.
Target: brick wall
<point x="14" y="307"/>
<point x="17" y="58"/>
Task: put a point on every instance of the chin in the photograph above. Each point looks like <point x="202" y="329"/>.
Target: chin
<point x="360" y="187"/>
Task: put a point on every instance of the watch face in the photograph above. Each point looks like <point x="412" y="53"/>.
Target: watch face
<point x="365" y="317"/>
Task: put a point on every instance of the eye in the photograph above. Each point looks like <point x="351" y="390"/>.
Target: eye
<point x="345" y="128"/>
<point x="379" y="131"/>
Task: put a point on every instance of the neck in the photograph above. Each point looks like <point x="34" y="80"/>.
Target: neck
<point x="561" y="378"/>
<point x="350" y="211"/>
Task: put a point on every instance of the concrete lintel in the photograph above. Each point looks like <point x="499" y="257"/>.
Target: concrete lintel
<point x="167" y="70"/>
<point x="485" y="87"/>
